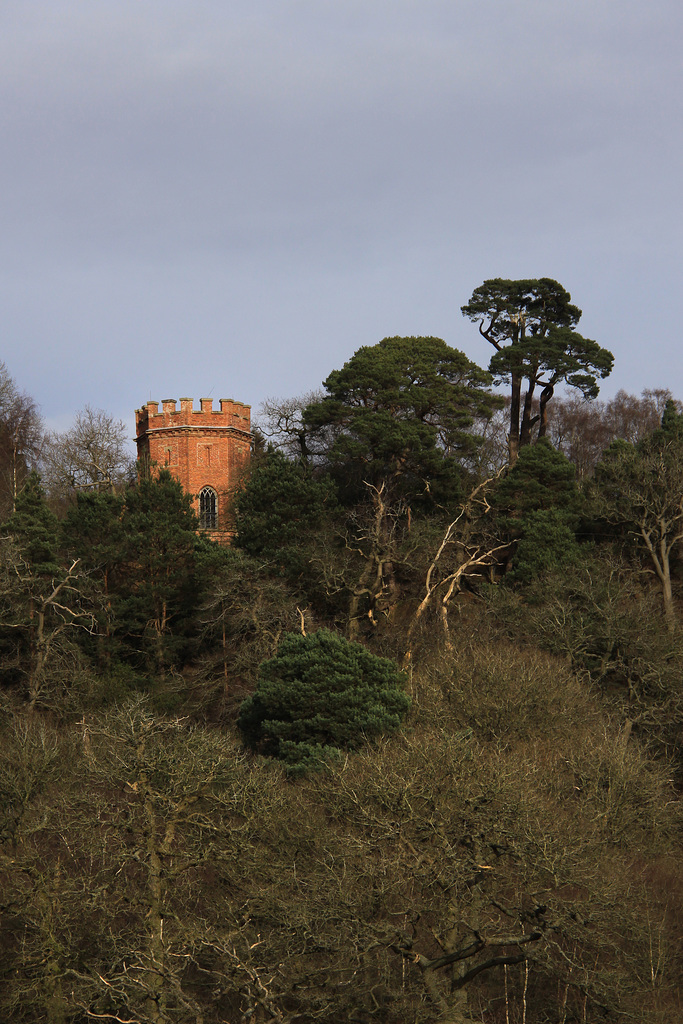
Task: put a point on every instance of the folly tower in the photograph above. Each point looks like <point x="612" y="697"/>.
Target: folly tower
<point x="204" y="449"/>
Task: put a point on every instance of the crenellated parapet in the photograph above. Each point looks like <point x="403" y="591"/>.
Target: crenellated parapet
<point x="232" y="414"/>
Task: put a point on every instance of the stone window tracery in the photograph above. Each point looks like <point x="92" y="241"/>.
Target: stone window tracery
<point x="208" y="509"/>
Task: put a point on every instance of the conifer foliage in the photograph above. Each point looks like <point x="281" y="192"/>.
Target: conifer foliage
<point x="319" y="694"/>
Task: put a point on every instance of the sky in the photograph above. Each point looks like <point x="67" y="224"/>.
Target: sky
<point x="227" y="198"/>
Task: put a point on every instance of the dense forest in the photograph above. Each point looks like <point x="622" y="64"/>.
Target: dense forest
<point x="410" y="750"/>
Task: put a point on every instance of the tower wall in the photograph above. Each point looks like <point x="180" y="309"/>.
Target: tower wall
<point x="200" y="447"/>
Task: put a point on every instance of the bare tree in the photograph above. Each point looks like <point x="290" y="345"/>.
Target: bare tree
<point x="93" y="455"/>
<point x="492" y="453"/>
<point x="582" y="429"/>
<point x="466" y="548"/>
<point x="39" y="617"/>
<point x="280" y="422"/>
<point x="21" y="439"/>
<point x="641" y="489"/>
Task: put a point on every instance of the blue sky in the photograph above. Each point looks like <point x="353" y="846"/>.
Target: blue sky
<point x="228" y="199"/>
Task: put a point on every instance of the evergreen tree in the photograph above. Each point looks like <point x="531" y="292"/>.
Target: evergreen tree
<point x="47" y="599"/>
<point x="547" y="543"/>
<point x="321" y="693"/>
<point x="92" y="530"/>
<point x="538" y="503"/>
<point x="35" y="528"/>
<point x="541" y="479"/>
<point x="530" y="324"/>
<point x="400" y="415"/>
<point x="278" y="508"/>
<point x="159" y="584"/>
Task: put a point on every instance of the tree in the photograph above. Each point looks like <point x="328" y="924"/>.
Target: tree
<point x="318" y="694"/>
<point x="158" y="590"/>
<point x="125" y="831"/>
<point x="466" y="548"/>
<point x="93" y="455"/>
<point x="640" y="488"/>
<point x="21" y="440"/>
<point x="538" y="505"/>
<point x="530" y="324"/>
<point x="281" y="424"/>
<point x="278" y="507"/>
<point x="44" y="599"/>
<point x="93" y="531"/>
<point x="35" y="528"/>
<point x="399" y="416"/>
<point x="243" y="613"/>
<point x="582" y="429"/>
<point x="542" y="478"/>
<point x="402" y="413"/>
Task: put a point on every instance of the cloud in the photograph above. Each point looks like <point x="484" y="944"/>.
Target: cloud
<point x="174" y="170"/>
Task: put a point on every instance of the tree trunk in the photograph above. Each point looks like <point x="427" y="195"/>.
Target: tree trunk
<point x="546" y="395"/>
<point x="515" y="405"/>
<point x="527" y="419"/>
<point x="660" y="560"/>
<point x="667" y="593"/>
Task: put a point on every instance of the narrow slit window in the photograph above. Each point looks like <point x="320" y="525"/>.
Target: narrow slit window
<point x="208" y="509"/>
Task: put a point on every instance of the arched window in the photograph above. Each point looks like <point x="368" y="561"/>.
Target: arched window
<point x="208" y="509"/>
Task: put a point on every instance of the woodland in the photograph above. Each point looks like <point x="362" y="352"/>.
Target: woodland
<point x="408" y="751"/>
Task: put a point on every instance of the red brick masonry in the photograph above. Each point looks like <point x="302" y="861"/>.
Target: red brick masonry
<point x="200" y="447"/>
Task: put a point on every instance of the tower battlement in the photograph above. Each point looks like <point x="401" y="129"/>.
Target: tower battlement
<point x="206" y="449"/>
<point x="231" y="414"/>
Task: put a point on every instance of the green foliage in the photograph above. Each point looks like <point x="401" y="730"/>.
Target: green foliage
<point x="538" y="504"/>
<point x="399" y="412"/>
<point x="530" y="324"/>
<point x="92" y="530"/>
<point x="541" y="479"/>
<point x="159" y="589"/>
<point x="321" y="692"/>
<point x="278" y="508"/>
<point x="46" y="601"/>
<point x="93" y="527"/>
<point x="35" y="528"/>
<point x="547" y="543"/>
<point x="541" y="302"/>
<point x="672" y="420"/>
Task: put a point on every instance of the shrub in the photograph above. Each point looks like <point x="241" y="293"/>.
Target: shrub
<point x="319" y="694"/>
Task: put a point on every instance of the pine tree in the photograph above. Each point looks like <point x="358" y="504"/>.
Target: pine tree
<point x="159" y="585"/>
<point x="321" y="693"/>
<point x="279" y="507"/>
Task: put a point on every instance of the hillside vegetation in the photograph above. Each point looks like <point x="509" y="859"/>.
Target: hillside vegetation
<point x="409" y="751"/>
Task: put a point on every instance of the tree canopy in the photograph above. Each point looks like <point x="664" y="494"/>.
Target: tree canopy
<point x="321" y="693"/>
<point x="92" y="455"/>
<point x="399" y="410"/>
<point x="530" y="324"/>
<point x="278" y="505"/>
<point x="640" y="488"/>
<point x="21" y="439"/>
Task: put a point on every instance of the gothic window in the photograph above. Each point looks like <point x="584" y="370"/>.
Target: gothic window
<point x="208" y="509"/>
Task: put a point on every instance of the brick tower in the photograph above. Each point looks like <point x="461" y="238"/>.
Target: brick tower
<point x="204" y="449"/>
